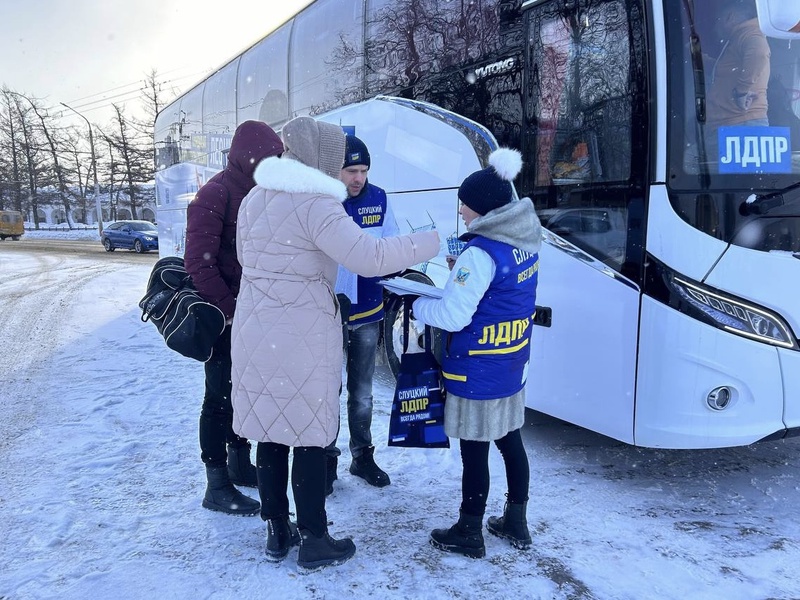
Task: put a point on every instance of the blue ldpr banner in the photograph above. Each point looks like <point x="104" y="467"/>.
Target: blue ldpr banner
<point x="746" y="149"/>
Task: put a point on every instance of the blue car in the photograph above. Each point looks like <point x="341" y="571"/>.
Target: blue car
<point x="140" y="236"/>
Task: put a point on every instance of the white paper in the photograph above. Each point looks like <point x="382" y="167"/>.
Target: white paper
<point x="408" y="287"/>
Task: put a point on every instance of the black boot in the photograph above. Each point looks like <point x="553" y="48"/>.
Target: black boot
<point x="222" y="496"/>
<point x="323" y="551"/>
<point x="331" y="464"/>
<point x="240" y="470"/>
<point x="281" y="536"/>
<point x="513" y="525"/>
<point x="364" y="466"/>
<point x="465" y="537"/>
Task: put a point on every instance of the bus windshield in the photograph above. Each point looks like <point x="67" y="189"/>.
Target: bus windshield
<point x="734" y="125"/>
<point x="734" y="99"/>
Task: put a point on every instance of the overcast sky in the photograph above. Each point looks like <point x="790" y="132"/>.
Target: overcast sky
<point x="90" y="53"/>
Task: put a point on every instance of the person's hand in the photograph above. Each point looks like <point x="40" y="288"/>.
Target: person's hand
<point x="451" y="261"/>
<point x="743" y="100"/>
<point x="411" y="316"/>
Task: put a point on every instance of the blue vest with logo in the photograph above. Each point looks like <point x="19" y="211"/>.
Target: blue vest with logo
<point x="368" y="210"/>
<point x="488" y="359"/>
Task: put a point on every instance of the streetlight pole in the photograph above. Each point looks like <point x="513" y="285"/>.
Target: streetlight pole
<point x="94" y="169"/>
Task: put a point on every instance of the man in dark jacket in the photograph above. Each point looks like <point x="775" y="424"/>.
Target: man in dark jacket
<point x="210" y="259"/>
<point x="362" y="310"/>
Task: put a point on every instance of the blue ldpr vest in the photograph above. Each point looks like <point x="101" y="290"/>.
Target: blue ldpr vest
<point x="488" y="359"/>
<point x="368" y="210"/>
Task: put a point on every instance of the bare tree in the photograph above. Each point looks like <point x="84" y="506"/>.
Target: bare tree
<point x="133" y="150"/>
<point x="76" y="173"/>
<point x="155" y="96"/>
<point x="10" y="144"/>
<point x="48" y="130"/>
<point x="111" y="170"/>
<point x="30" y="150"/>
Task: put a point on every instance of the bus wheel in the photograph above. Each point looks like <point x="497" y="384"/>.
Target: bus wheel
<point x="393" y="329"/>
<point x="15" y="238"/>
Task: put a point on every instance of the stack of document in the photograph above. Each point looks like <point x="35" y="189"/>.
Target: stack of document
<point x="407" y="287"/>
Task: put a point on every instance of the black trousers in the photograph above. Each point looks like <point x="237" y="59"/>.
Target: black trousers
<point x="308" y="484"/>
<point x="475" y="474"/>
<point x="216" y="416"/>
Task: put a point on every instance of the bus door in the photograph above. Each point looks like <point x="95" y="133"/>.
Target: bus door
<point x="583" y="361"/>
<point x="584" y="141"/>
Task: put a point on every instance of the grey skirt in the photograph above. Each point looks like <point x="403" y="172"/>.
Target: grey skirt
<point x="483" y="420"/>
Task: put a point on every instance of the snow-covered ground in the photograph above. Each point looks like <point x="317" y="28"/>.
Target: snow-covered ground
<point x="101" y="484"/>
<point x="62" y="233"/>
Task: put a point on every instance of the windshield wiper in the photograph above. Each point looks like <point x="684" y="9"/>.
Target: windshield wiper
<point x="698" y="72"/>
<point x="761" y="204"/>
<point x="699" y="82"/>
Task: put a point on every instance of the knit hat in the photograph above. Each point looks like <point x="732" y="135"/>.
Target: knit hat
<point x="314" y="143"/>
<point x="355" y="153"/>
<point x="491" y="187"/>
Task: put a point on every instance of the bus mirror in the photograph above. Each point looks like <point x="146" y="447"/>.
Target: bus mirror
<point x="779" y="18"/>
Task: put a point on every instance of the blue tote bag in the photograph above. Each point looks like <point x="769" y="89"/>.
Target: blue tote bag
<point x="417" y="419"/>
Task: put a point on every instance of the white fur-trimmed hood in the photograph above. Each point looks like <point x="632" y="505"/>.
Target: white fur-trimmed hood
<point x="292" y="176"/>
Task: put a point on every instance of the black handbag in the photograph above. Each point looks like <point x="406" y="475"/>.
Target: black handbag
<point x="189" y="325"/>
<point x="417" y="418"/>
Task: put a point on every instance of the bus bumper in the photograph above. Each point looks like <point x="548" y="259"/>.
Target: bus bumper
<point x="683" y="361"/>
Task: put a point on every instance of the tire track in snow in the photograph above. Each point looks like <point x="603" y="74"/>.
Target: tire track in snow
<point x="33" y="328"/>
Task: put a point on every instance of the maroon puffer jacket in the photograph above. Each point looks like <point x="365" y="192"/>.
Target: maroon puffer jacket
<point x="210" y="256"/>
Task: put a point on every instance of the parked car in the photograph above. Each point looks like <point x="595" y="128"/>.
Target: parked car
<point x="11" y="224"/>
<point x="140" y="236"/>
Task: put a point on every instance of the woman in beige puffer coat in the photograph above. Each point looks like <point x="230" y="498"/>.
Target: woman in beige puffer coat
<point x="292" y="234"/>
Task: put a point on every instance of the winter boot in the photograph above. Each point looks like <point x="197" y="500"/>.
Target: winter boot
<point x="513" y="525"/>
<point x="281" y="536"/>
<point x="222" y="496"/>
<point x="240" y="470"/>
<point x="331" y="464"/>
<point x="323" y="551"/>
<point x="364" y="466"/>
<point x="465" y="537"/>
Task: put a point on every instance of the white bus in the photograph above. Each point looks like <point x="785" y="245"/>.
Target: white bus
<point x="669" y="290"/>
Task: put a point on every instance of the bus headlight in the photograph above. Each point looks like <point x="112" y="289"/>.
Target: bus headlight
<point x="715" y="307"/>
<point x="734" y="314"/>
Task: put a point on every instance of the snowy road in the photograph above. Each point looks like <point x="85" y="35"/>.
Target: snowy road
<point x="100" y="483"/>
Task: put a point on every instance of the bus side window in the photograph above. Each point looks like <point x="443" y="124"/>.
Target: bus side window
<point x="582" y="98"/>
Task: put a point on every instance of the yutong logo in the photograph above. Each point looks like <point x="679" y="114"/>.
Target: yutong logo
<point x="495" y="68"/>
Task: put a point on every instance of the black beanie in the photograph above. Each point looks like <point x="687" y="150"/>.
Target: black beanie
<point x="491" y="188"/>
<point x="355" y="153"/>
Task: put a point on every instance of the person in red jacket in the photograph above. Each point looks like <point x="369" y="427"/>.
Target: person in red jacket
<point x="210" y="259"/>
